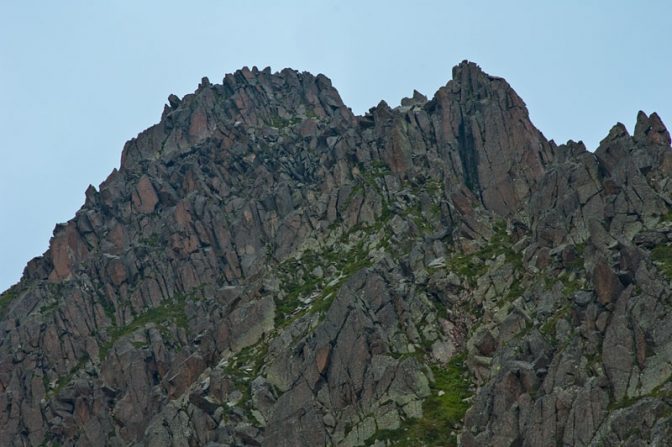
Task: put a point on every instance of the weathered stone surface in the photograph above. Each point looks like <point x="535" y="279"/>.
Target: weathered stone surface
<point x="607" y="285"/>
<point x="477" y="116"/>
<point x="268" y="269"/>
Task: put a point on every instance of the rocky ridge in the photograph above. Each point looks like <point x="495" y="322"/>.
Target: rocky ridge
<point x="268" y="269"/>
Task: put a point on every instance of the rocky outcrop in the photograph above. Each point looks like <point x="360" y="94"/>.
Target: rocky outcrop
<point x="600" y="226"/>
<point x="502" y="155"/>
<point x="268" y="269"/>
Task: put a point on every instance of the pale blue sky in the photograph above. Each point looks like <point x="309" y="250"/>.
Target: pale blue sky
<point x="79" y="78"/>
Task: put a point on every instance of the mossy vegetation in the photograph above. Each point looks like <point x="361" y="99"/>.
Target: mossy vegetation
<point x="165" y="314"/>
<point x="340" y="259"/>
<point x="63" y="381"/>
<point x="280" y="123"/>
<point x="249" y="360"/>
<point x="662" y="257"/>
<point x="7" y="297"/>
<point x="469" y="267"/>
<point x="442" y="412"/>
<point x="372" y="172"/>
<point x="152" y="241"/>
<point x="371" y="177"/>
<point x="662" y="391"/>
<point x="449" y="400"/>
<point x="425" y="217"/>
<point x="244" y="367"/>
<point x="548" y="329"/>
<point x="48" y="308"/>
<point x="666" y="217"/>
<point x="577" y="263"/>
<point x="419" y="218"/>
<point x="473" y="266"/>
<point x="108" y="308"/>
<point x="515" y="291"/>
<point x="570" y="286"/>
<point x="307" y="292"/>
<point x="310" y="113"/>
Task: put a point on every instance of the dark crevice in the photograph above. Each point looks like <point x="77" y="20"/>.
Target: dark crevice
<point x="469" y="158"/>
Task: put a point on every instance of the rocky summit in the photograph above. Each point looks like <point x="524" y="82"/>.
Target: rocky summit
<point x="266" y="268"/>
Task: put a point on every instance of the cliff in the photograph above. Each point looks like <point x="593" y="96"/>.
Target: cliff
<point x="268" y="269"/>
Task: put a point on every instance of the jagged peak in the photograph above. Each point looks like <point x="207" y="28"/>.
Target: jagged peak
<point x="472" y="84"/>
<point x="284" y="80"/>
<point x="651" y="130"/>
<point x="417" y="99"/>
<point x="467" y="68"/>
<point x="617" y="132"/>
<point x="241" y="272"/>
<point x="249" y="97"/>
<point x="569" y="151"/>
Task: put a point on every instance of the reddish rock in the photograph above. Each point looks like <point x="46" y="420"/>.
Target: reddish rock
<point x="182" y="214"/>
<point x="198" y="128"/>
<point x="67" y="250"/>
<point x="651" y="130"/>
<point x="607" y="285"/>
<point x="265" y="268"/>
<point x="322" y="358"/>
<point x="144" y="197"/>
<point x="502" y="154"/>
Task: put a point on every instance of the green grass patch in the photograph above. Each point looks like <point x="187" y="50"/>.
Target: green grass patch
<point x="666" y="217"/>
<point x="469" y="267"/>
<point x="249" y="359"/>
<point x="472" y="266"/>
<point x="242" y="368"/>
<point x="292" y="301"/>
<point x="299" y="282"/>
<point x="548" y="328"/>
<point x="108" y="308"/>
<point x="6" y="298"/>
<point x="280" y="123"/>
<point x="153" y="240"/>
<point x="48" y="308"/>
<point x="376" y="169"/>
<point x="662" y="391"/>
<point x="172" y="312"/>
<point x="576" y="264"/>
<point x="63" y="381"/>
<point x="662" y="257"/>
<point x="570" y="287"/>
<point x="515" y="290"/>
<point x="422" y="222"/>
<point x="348" y="255"/>
<point x="441" y="414"/>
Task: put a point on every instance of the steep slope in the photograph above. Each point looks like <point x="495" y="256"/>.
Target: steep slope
<point x="266" y="268"/>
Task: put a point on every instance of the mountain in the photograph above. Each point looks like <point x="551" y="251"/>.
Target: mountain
<point x="266" y="268"/>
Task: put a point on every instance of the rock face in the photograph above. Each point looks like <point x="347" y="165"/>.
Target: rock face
<point x="268" y="269"/>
